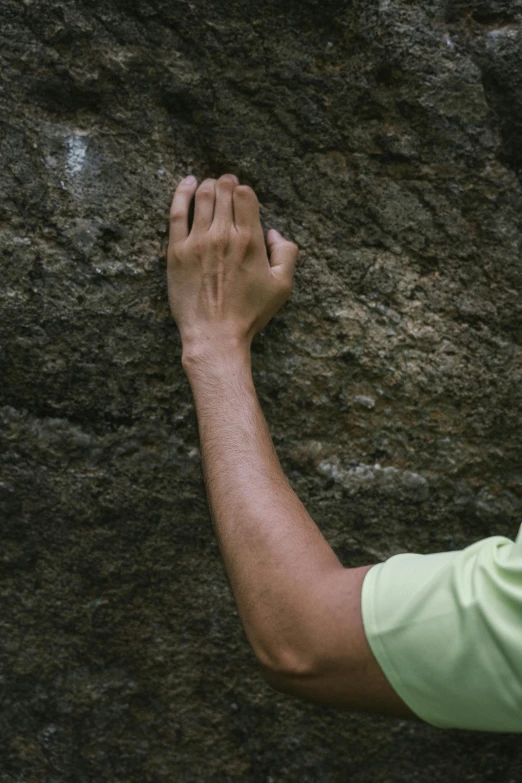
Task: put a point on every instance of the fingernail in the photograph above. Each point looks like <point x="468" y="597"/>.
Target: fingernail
<point x="190" y="179"/>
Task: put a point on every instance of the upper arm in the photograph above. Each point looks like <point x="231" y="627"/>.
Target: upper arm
<point x="445" y="631"/>
<point x="339" y="668"/>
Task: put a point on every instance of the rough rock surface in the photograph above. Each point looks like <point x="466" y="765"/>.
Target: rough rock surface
<point x="386" y="139"/>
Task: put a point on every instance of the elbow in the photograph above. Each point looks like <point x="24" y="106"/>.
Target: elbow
<point x="279" y="681"/>
<point x="285" y="670"/>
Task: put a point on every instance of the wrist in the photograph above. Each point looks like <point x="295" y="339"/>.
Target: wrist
<point x="213" y="355"/>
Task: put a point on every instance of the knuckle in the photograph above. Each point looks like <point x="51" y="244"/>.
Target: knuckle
<point x="177" y="214"/>
<point x="228" y="179"/>
<point x="243" y="238"/>
<point x="199" y="246"/>
<point x="219" y="240"/>
<point x="175" y="253"/>
<point x="207" y="186"/>
<point x="245" y="191"/>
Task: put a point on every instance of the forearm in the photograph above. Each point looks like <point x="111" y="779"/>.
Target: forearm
<point x="301" y="610"/>
<point x="274" y="554"/>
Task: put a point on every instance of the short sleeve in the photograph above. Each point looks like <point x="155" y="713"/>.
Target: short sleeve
<point x="446" y="629"/>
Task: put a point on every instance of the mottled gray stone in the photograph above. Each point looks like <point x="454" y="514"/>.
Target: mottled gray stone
<point x="385" y="138"/>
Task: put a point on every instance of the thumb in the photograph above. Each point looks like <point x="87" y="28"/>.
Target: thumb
<point x="283" y="255"/>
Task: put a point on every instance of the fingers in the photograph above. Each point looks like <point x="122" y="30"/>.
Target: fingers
<point x="246" y="208"/>
<point x="180" y="209"/>
<point x="283" y="257"/>
<point x="224" y="209"/>
<point x="221" y="202"/>
<point x="204" y="208"/>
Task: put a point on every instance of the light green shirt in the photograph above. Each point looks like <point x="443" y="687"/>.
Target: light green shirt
<point x="446" y="629"/>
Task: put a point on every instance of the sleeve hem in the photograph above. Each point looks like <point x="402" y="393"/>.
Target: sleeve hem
<point x="372" y="635"/>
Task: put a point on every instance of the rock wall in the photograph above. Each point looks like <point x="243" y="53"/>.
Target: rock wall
<point x="385" y="138"/>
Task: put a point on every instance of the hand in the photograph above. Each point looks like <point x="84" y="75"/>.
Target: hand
<point x="223" y="288"/>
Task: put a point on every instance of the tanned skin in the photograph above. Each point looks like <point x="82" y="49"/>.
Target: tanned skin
<point x="300" y="608"/>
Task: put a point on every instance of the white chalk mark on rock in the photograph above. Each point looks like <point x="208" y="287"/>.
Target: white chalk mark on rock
<point x="76" y="152"/>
